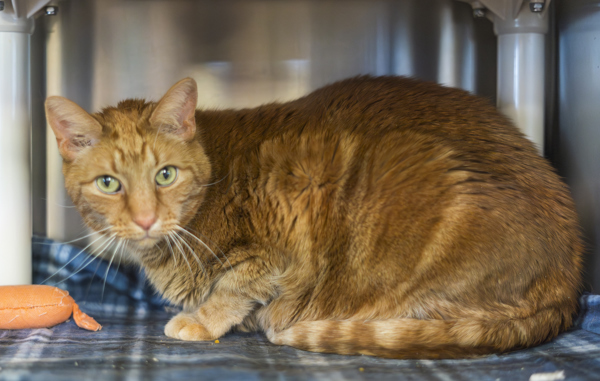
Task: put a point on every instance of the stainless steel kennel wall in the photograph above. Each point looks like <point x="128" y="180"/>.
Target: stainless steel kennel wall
<point x="242" y="53"/>
<point x="247" y="52"/>
<point x="578" y="140"/>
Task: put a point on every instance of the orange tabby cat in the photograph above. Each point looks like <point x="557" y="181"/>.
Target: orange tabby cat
<point x="379" y="216"/>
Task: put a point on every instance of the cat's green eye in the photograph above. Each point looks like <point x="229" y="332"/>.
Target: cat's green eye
<point x="108" y="184"/>
<point x="166" y="176"/>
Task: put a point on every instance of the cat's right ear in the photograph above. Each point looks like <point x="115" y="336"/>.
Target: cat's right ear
<point x="74" y="128"/>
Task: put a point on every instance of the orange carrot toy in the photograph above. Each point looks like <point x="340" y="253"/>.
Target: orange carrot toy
<point x="39" y="306"/>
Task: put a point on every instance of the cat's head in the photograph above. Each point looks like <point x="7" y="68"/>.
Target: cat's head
<point x="137" y="170"/>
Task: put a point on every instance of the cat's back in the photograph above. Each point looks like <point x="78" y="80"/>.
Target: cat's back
<point x="382" y="104"/>
<point x="372" y="109"/>
<point x="393" y="113"/>
<point x="369" y="107"/>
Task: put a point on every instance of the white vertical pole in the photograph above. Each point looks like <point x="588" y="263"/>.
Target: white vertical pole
<point x="15" y="127"/>
<point x="521" y="67"/>
<point x="521" y="82"/>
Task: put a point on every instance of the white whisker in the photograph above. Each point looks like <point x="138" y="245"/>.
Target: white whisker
<point x="57" y="204"/>
<point x="71" y="241"/>
<point x="192" y="252"/>
<point x="94" y="274"/>
<point x="202" y="243"/>
<point x="120" y="258"/>
<point x="208" y="239"/>
<point x="94" y="257"/>
<point x="216" y="182"/>
<point x="72" y="259"/>
<point x="108" y="268"/>
<point x="181" y="251"/>
<point x="172" y="253"/>
<point x="87" y="291"/>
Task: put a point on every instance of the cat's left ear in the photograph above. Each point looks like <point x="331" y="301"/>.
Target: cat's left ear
<point x="176" y="111"/>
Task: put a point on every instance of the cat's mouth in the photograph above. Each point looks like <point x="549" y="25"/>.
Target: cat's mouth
<point x="147" y="240"/>
<point x="150" y="239"/>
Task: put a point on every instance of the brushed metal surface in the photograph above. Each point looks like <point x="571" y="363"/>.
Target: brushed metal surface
<point x="579" y="118"/>
<point x="244" y="53"/>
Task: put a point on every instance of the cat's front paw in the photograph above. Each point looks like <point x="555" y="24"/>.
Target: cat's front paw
<point x="186" y="327"/>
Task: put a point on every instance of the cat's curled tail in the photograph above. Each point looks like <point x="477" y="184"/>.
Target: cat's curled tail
<point x="424" y="339"/>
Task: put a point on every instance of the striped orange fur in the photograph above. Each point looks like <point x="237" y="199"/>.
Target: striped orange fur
<point x="379" y="216"/>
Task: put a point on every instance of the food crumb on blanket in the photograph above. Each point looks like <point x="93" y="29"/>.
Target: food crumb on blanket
<point x="552" y="376"/>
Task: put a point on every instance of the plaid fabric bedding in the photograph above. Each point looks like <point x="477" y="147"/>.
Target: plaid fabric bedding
<point x="132" y="346"/>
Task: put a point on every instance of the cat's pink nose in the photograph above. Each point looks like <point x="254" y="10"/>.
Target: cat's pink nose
<point x="145" y="221"/>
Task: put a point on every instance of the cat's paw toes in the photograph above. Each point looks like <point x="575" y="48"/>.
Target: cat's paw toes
<point x="185" y="327"/>
<point x="195" y="332"/>
<point x="176" y="324"/>
<point x="274" y="336"/>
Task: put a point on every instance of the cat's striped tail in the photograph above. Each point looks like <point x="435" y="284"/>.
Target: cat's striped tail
<point x="423" y="339"/>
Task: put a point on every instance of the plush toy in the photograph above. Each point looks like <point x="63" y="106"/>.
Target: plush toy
<point x="40" y="306"/>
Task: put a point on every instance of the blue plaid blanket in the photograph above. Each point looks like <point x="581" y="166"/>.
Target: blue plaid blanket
<point x="132" y="346"/>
